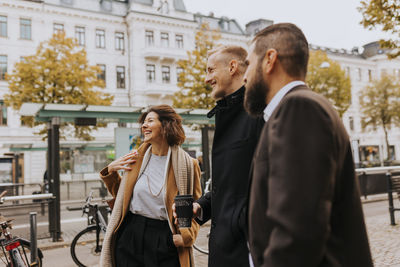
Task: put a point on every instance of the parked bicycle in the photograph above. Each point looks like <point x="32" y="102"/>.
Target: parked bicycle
<point x="86" y="246"/>
<point x="15" y="251"/>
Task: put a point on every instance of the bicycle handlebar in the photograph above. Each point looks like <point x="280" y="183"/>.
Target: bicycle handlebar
<point x="74" y="208"/>
<point x="90" y="197"/>
<point x="3" y="193"/>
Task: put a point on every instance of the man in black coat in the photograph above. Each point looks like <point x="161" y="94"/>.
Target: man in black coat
<point x="235" y="138"/>
<point x="304" y="207"/>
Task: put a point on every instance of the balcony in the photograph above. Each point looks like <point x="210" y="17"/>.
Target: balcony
<point x="160" y="89"/>
<point x="166" y="54"/>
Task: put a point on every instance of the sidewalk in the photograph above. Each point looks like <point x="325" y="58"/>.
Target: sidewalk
<point x="68" y="235"/>
<point x="384" y="238"/>
<point x="374" y="198"/>
<point x="384" y="241"/>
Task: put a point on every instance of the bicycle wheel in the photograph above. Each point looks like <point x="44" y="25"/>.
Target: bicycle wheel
<point x="24" y="250"/>
<point x="4" y="256"/>
<point x="201" y="244"/>
<point x="86" y="248"/>
<point x="27" y="250"/>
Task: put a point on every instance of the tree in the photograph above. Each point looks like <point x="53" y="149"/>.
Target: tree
<point x="194" y="92"/>
<point x="385" y="15"/>
<point x="59" y="73"/>
<point x="379" y="103"/>
<point x="326" y="77"/>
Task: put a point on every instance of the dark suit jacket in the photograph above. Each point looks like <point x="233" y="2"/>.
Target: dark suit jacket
<point x="305" y="207"/>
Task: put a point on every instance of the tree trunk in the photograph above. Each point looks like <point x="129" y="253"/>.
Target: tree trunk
<point x="387" y="143"/>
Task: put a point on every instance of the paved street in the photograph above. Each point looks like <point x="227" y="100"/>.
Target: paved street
<point x="384" y="238"/>
<point x="61" y="256"/>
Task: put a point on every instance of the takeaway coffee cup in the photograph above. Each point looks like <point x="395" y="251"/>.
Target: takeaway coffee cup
<point x="184" y="210"/>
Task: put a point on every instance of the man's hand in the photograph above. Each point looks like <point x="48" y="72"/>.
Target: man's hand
<point x="196" y="212"/>
<point x="196" y="209"/>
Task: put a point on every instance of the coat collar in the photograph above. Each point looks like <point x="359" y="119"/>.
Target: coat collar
<point x="296" y="88"/>
<point x="228" y="101"/>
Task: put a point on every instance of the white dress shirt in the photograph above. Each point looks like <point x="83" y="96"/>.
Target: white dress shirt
<point x="278" y="97"/>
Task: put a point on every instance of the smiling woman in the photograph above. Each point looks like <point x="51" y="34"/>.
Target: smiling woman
<point x="162" y="124"/>
<point x="141" y="223"/>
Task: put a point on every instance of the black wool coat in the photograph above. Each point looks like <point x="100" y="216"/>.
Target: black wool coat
<point x="235" y="139"/>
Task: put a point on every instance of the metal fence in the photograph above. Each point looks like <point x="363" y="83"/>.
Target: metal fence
<point x="373" y="180"/>
<point x="79" y="189"/>
<point x="69" y="189"/>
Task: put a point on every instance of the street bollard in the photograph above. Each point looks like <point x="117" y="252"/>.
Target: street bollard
<point x="390" y="197"/>
<point x="34" y="251"/>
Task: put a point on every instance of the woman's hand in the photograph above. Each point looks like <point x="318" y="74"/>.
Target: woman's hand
<point x="178" y="240"/>
<point x="120" y="163"/>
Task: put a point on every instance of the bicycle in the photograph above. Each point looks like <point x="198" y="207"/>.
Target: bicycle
<point x="86" y="246"/>
<point x="203" y="246"/>
<point x="15" y="251"/>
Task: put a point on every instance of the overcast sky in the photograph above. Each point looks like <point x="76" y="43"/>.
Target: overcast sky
<point x="331" y="23"/>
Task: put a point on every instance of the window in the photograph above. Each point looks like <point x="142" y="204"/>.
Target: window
<point x="3" y="67"/>
<point x="102" y="74"/>
<point x="392" y="153"/>
<point x="369" y="75"/>
<point x="80" y="161"/>
<point x="224" y="25"/>
<point x="164" y="39"/>
<point x="348" y="71"/>
<point x="369" y="153"/>
<point x="3" y="115"/>
<point x="150" y="73"/>
<point x="179" y="70"/>
<point x="179" y="41"/>
<point x="3" y="26"/>
<point x="383" y="72"/>
<point x="119" y="41"/>
<point x="80" y="35"/>
<point x="120" y="77"/>
<point x="351" y="123"/>
<point x="359" y="76"/>
<point x="149" y="37"/>
<point x="165" y="72"/>
<point x="100" y="39"/>
<point x="57" y="28"/>
<point x="25" y="29"/>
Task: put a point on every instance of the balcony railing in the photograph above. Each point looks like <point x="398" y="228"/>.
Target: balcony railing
<point x="164" y="53"/>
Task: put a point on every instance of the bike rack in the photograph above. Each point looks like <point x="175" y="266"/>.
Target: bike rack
<point x="34" y="248"/>
<point x="32" y="220"/>
<point x="26" y="197"/>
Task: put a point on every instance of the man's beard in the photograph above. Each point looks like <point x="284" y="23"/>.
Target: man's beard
<point x="256" y="95"/>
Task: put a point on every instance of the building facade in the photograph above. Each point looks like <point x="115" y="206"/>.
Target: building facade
<point x="137" y="44"/>
<point x="363" y="67"/>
